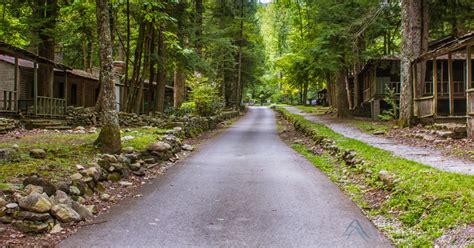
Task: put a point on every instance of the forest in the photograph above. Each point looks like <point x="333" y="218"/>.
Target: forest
<point x="284" y="51"/>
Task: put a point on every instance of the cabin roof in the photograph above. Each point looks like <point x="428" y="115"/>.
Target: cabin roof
<point x="10" y="50"/>
<point x="29" y="64"/>
<point x="450" y="45"/>
<point x="370" y="62"/>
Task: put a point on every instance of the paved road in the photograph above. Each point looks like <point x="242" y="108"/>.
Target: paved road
<point x="245" y="188"/>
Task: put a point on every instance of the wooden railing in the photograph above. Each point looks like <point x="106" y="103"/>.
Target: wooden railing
<point x="8" y="101"/>
<point x="424" y="106"/>
<point x="48" y="106"/>
<point x="470" y="101"/>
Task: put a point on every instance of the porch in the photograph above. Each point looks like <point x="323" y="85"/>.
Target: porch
<point x="442" y="83"/>
<point x="17" y="96"/>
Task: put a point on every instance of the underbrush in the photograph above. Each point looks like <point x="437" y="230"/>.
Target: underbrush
<point x="420" y="205"/>
<point x="64" y="151"/>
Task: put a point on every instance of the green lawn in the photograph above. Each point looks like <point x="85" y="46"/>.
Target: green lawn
<point x="65" y="150"/>
<point x="426" y="201"/>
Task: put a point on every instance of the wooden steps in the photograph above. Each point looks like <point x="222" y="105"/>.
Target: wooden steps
<point x="49" y="124"/>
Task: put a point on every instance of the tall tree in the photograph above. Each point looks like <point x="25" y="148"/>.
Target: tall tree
<point x="414" y="18"/>
<point x="109" y="136"/>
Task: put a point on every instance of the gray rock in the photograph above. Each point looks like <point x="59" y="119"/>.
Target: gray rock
<point x="27" y="215"/>
<point x="139" y="173"/>
<point x="159" y="146"/>
<point x="128" y="150"/>
<point x="74" y="190"/>
<point x="82" y="210"/>
<point x="125" y="183"/>
<point x="65" y="214"/>
<point x="61" y="198"/>
<point x="187" y="147"/>
<point x="105" y="197"/>
<point x="48" y="187"/>
<point x="387" y="178"/>
<point x="7" y="154"/>
<point x="30" y="226"/>
<point x="6" y="219"/>
<point x="63" y="186"/>
<point x="3" y="202"/>
<point x="30" y="189"/>
<point x="379" y="132"/>
<point x="76" y="176"/>
<point x="35" y="202"/>
<point x="38" y="153"/>
<point x="135" y="166"/>
<point x="12" y="205"/>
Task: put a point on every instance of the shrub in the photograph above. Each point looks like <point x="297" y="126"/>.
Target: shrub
<point x="205" y="96"/>
<point x="392" y="112"/>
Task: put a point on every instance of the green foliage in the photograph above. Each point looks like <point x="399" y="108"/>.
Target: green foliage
<point x="206" y="98"/>
<point x="187" y="108"/>
<point x="392" y="112"/>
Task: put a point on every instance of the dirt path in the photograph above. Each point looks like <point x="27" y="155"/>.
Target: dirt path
<point x="422" y="155"/>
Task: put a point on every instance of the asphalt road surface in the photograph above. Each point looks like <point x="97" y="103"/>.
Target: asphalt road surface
<point x="245" y="188"/>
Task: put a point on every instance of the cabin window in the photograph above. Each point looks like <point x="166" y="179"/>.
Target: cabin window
<point x="61" y="90"/>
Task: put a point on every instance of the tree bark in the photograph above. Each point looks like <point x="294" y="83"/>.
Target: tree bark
<point x="161" y="74"/>
<point x="342" y="104"/>
<point x="414" y="43"/>
<point x="179" y="87"/>
<point x="47" y="12"/>
<point x="109" y="136"/>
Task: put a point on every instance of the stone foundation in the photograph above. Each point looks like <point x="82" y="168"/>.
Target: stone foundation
<point x="7" y="125"/>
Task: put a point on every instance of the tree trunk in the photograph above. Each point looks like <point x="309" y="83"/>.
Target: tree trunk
<point x="109" y="137"/>
<point x="342" y="104"/>
<point x="241" y="37"/>
<point x="179" y="87"/>
<point x="161" y="75"/>
<point x="47" y="12"/>
<point x="414" y="42"/>
<point x="199" y="11"/>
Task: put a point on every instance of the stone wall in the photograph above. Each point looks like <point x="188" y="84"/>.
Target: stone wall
<point x="191" y="124"/>
<point x="7" y="125"/>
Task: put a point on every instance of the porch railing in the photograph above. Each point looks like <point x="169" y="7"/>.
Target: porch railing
<point x="424" y="106"/>
<point x="8" y="101"/>
<point x="48" y="106"/>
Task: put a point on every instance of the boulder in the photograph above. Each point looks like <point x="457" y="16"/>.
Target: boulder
<point x="48" y="187"/>
<point x="135" y="166"/>
<point x="65" y="214"/>
<point x="159" y="146"/>
<point x="61" y="198"/>
<point x="3" y="202"/>
<point x="128" y="150"/>
<point x="82" y="210"/>
<point x="387" y="178"/>
<point x="30" y="226"/>
<point x="104" y="197"/>
<point x="12" y="205"/>
<point x="76" y="176"/>
<point x="187" y="147"/>
<point x="35" y="202"/>
<point x="74" y="190"/>
<point x="8" y="154"/>
<point x="38" y="153"/>
<point x="30" y="189"/>
<point x="63" y="186"/>
<point x="32" y="216"/>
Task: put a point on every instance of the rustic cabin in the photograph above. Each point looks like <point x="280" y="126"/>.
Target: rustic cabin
<point x="443" y="87"/>
<point x="376" y="78"/>
<point x="19" y="84"/>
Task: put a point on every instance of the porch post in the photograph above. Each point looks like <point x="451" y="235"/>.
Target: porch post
<point x="17" y="83"/>
<point x="435" y="87"/>
<point x="35" y="87"/>
<point x="451" y="84"/>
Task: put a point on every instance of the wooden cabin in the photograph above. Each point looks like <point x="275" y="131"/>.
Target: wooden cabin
<point x="373" y="82"/>
<point x="19" y="84"/>
<point x="443" y="87"/>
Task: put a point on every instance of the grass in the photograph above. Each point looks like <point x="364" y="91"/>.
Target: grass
<point x="316" y="110"/>
<point x="426" y="201"/>
<point x="65" y="150"/>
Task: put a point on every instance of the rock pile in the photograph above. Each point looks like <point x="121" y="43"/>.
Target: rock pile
<point x="34" y="211"/>
<point x="7" y="125"/>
